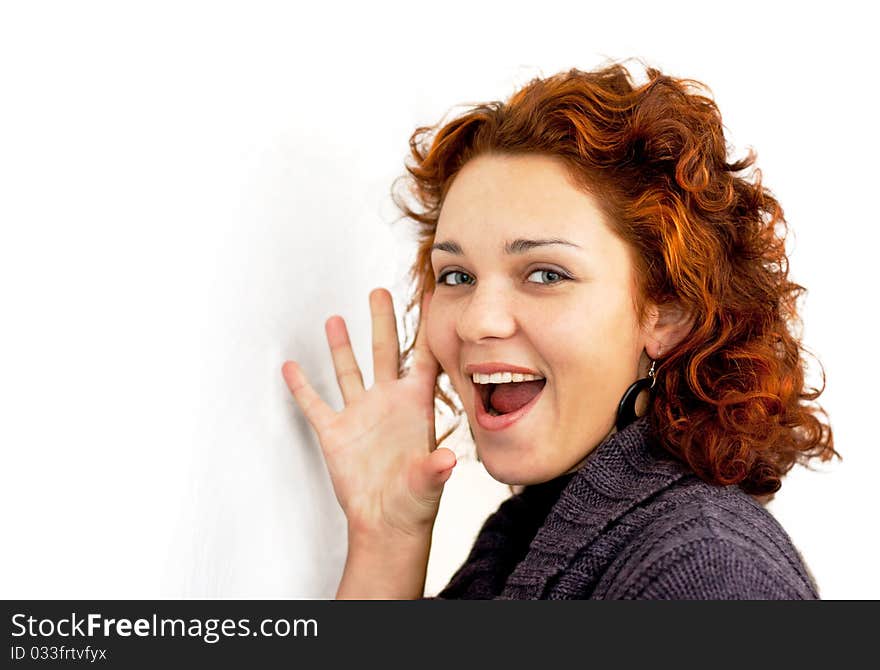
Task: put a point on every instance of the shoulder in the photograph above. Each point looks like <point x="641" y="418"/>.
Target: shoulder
<point x="695" y="540"/>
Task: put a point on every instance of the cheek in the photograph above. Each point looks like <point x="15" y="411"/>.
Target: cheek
<point x="595" y="337"/>
<point x="441" y="340"/>
<point x="606" y="316"/>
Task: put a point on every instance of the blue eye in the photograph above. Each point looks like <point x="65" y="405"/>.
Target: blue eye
<point x="548" y="271"/>
<point x="441" y="278"/>
<point x="562" y="277"/>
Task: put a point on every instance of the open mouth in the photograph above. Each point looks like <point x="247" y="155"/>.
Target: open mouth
<point x="485" y="392"/>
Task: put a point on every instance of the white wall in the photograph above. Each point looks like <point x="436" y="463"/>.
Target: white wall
<point x="188" y="190"/>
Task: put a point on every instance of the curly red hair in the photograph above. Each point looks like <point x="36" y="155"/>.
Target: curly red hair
<point x="731" y="400"/>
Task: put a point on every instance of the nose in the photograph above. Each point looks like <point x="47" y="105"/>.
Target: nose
<point x="488" y="311"/>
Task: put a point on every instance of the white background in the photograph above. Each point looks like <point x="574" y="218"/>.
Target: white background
<point x="189" y="190"/>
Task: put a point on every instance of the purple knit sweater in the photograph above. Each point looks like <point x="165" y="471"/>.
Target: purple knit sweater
<point x="631" y="523"/>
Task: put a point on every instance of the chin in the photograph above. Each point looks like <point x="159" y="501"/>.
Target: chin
<point x="514" y="473"/>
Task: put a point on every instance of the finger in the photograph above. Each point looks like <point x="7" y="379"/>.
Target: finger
<point x="386" y="346"/>
<point x="318" y="413"/>
<point x="348" y="374"/>
<point x="423" y="360"/>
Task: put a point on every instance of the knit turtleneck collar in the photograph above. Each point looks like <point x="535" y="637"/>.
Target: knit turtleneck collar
<point x="624" y="470"/>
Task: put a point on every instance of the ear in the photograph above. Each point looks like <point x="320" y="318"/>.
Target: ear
<point x="668" y="325"/>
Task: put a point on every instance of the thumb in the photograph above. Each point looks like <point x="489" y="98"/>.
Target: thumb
<point x="434" y="471"/>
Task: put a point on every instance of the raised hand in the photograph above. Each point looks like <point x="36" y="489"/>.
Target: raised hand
<point x="381" y="452"/>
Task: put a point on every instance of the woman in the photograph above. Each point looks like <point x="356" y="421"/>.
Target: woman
<point x="608" y="297"/>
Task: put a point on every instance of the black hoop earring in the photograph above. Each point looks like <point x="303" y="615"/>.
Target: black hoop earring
<point x="626" y="410"/>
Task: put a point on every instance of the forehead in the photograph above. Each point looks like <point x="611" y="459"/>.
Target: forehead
<point x="506" y="197"/>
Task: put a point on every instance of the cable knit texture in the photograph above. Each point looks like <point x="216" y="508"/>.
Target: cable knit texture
<point x="631" y="523"/>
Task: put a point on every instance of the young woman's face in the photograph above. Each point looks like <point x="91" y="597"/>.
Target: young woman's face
<point x="565" y="311"/>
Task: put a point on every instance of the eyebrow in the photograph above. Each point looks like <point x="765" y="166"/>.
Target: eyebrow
<point x="518" y="246"/>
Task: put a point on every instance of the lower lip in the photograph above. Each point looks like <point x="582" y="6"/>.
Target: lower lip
<point x="502" y="421"/>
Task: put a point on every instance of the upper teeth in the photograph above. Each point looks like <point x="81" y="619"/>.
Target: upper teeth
<point x="503" y="377"/>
